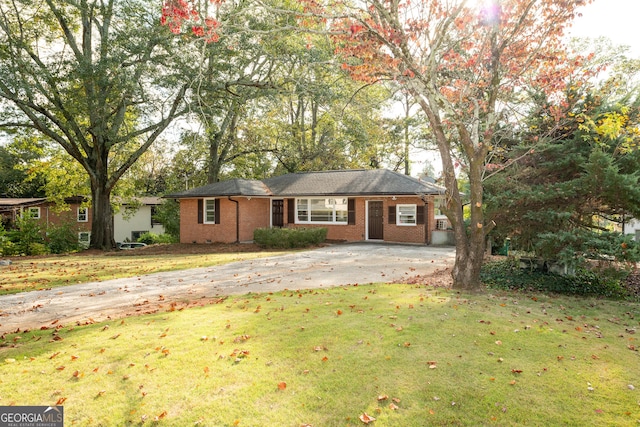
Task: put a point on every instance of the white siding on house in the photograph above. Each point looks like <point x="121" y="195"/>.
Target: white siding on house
<point x="632" y="226"/>
<point x="127" y="225"/>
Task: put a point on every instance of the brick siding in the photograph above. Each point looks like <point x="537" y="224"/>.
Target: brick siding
<point x="256" y="213"/>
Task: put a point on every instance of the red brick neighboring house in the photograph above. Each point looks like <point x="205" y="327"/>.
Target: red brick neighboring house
<point x="354" y="205"/>
<point x="47" y="215"/>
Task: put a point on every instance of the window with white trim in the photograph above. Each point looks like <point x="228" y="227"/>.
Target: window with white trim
<point x="33" y="212"/>
<point x="406" y="215"/>
<point x="83" y="214"/>
<point x="209" y="211"/>
<point x="322" y="211"/>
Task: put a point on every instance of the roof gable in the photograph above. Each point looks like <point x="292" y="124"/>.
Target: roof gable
<point x="360" y="182"/>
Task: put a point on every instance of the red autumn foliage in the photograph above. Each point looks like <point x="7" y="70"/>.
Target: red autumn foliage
<point x="178" y="15"/>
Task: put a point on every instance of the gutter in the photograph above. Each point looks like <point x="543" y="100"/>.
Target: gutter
<point x="237" y="218"/>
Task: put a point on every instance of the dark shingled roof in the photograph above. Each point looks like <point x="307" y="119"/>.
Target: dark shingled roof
<point x="349" y="183"/>
<point x="233" y="187"/>
<point x="327" y="183"/>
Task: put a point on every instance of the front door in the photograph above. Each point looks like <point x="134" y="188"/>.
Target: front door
<point x="277" y="213"/>
<point x="375" y="221"/>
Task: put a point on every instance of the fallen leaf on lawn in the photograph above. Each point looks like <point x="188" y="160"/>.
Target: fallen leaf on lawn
<point x="54" y="355"/>
<point x="78" y="374"/>
<point x="396" y="400"/>
<point x="393" y="406"/>
<point x="60" y="368"/>
<point x="516" y="371"/>
<point x="60" y="401"/>
<point x="282" y="385"/>
<point x="365" y="418"/>
<point x="383" y="397"/>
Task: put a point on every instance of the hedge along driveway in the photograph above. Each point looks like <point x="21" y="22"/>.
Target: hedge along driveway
<point x="334" y="265"/>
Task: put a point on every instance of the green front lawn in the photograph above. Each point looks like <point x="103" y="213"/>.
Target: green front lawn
<point x="406" y="355"/>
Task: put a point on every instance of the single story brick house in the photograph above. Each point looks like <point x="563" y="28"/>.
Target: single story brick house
<point x="354" y="205"/>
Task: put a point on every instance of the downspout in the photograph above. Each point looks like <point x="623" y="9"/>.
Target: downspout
<point x="237" y="218"/>
<point x="427" y="230"/>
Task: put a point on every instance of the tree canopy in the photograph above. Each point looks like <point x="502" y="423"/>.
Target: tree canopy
<point x="95" y="77"/>
<point x="469" y="66"/>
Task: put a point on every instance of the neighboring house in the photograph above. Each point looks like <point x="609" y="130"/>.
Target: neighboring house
<point x="135" y="219"/>
<point x="632" y="226"/>
<point x="354" y="205"/>
<point x="129" y="223"/>
<point x="47" y="215"/>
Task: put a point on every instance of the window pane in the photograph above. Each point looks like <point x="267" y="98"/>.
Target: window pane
<point x="406" y="214"/>
<point x="321" y="210"/>
<point x="342" y="210"/>
<point x="303" y="210"/>
<point x="210" y="210"/>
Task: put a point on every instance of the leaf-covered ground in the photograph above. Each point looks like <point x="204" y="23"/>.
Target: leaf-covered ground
<point x="51" y="271"/>
<point x="399" y="354"/>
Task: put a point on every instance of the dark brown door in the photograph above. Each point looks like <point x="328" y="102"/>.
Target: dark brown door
<point x="277" y="213"/>
<point x="376" y="222"/>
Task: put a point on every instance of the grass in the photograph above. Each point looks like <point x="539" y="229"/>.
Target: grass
<point x="37" y="273"/>
<point x="406" y="355"/>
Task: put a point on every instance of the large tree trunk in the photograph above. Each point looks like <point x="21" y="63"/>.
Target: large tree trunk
<point x="102" y="222"/>
<point x="470" y="241"/>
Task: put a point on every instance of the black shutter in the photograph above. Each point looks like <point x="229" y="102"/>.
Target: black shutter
<point x="392" y="214"/>
<point x="419" y="214"/>
<point x="351" y="211"/>
<point x="217" y="211"/>
<point x="200" y="213"/>
<point x="291" y="211"/>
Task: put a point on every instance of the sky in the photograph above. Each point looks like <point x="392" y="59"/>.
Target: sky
<point x="616" y="19"/>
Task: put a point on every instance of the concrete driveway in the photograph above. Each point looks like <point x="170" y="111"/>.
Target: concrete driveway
<point x="334" y="265"/>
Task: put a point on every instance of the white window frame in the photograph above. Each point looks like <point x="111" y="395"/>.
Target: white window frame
<point x="209" y="211"/>
<point x="407" y="218"/>
<point x="83" y="214"/>
<point x="33" y="212"/>
<point x="337" y="216"/>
